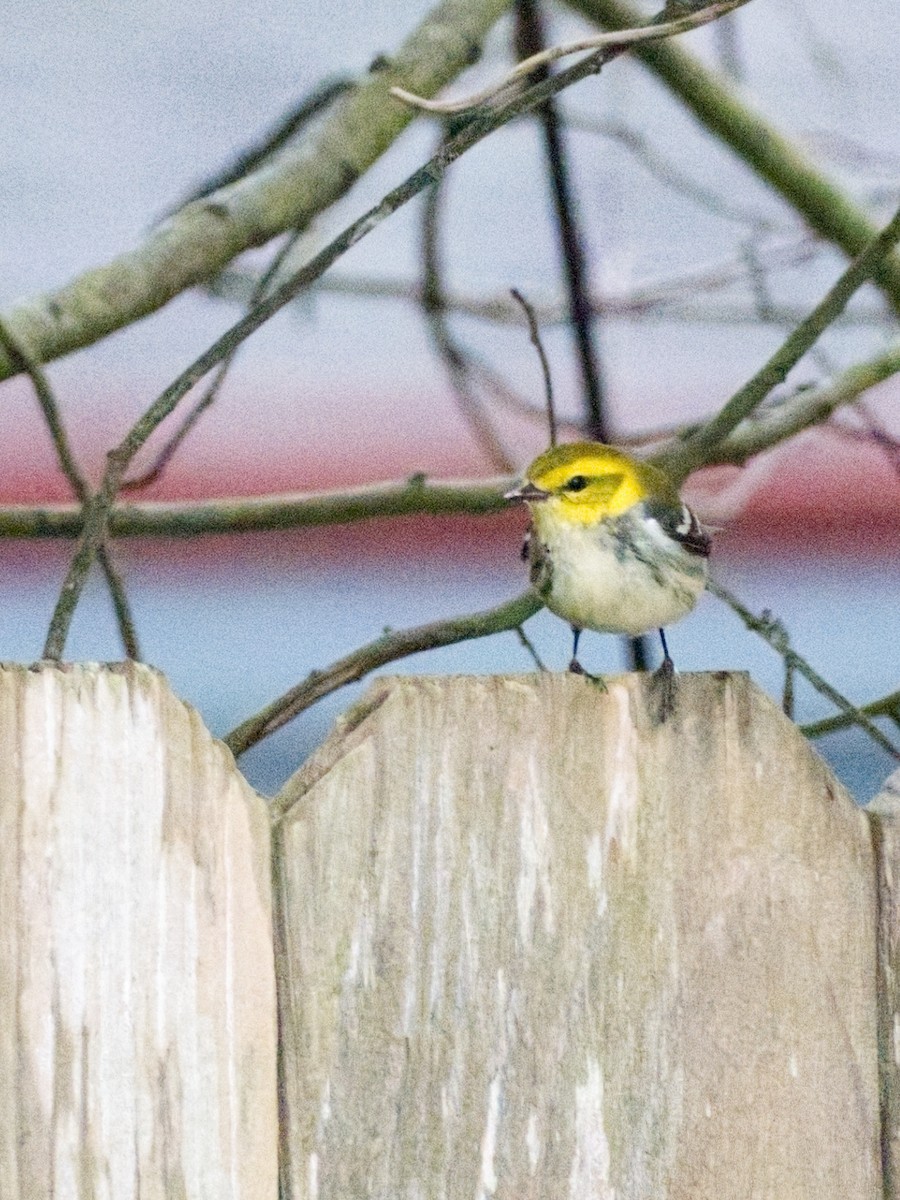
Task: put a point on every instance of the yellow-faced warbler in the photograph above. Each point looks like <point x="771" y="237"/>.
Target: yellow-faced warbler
<point x="612" y="546"/>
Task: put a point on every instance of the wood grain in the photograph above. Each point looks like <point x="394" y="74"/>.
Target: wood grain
<point x="531" y="944"/>
<point x="884" y="813"/>
<point x="137" y="1018"/>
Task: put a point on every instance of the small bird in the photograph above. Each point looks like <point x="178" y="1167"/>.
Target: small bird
<point x="612" y="547"/>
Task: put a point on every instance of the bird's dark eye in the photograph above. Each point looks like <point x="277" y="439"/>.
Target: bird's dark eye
<point x="576" y="484"/>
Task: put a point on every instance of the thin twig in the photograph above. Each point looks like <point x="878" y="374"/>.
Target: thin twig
<point x="582" y="320"/>
<point x="773" y="632"/>
<point x="390" y="647"/>
<point x="528" y="645"/>
<point x="776" y="423"/>
<point x="535" y="337"/>
<point x="451" y="353"/>
<point x="878" y="435"/>
<point x="242" y="514"/>
<point x="887" y="706"/>
<point x="699" y="447"/>
<point x="768" y="153"/>
<point x="729" y="50"/>
<point x="668" y="171"/>
<point x="252" y="514"/>
<point x="674" y="297"/>
<point x="293" y="187"/>
<point x="154" y="472"/>
<point x="529" y="38"/>
<point x="300" y="183"/>
<point x="77" y="482"/>
<point x="787" y="692"/>
<point x="621" y="40"/>
<point x="288" y="126"/>
<point x="764" y="302"/>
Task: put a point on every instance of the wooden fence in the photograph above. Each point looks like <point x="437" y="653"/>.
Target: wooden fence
<point x="500" y="937"/>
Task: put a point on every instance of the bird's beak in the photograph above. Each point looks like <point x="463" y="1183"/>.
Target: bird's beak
<point x="527" y="492"/>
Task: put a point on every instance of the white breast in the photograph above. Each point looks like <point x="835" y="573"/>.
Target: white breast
<point x="598" y="583"/>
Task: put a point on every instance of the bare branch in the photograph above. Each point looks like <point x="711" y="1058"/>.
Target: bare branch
<point x="529" y="37"/>
<point x="206" y="401"/>
<point x="673" y="297"/>
<point x="322" y="96"/>
<point x="777" y="422"/>
<point x="887" y="706"/>
<point x="244" y="514"/>
<point x="287" y="194"/>
<point x="621" y="40"/>
<point x="778" y="161"/>
<point x="252" y="514"/>
<point x="390" y="647"/>
<point x="452" y="354"/>
<point x="699" y="447"/>
<point x="120" y="458"/>
<point x="766" y="428"/>
<point x="77" y="482"/>
<point x="773" y="632"/>
<point x="198" y="241"/>
<point x="535" y="337"/>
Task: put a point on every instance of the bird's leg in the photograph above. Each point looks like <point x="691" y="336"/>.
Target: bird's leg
<point x="663" y="682"/>
<point x="575" y="666"/>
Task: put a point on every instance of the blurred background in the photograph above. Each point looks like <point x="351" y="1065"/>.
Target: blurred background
<point x="115" y="113"/>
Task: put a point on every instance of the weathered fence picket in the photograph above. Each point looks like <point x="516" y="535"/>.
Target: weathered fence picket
<point x="527" y="943"/>
<point x="533" y="945"/>
<point x="137" y="1031"/>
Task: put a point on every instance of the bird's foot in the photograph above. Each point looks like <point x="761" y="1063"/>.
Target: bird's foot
<point x="576" y="668"/>
<point x="664" y="686"/>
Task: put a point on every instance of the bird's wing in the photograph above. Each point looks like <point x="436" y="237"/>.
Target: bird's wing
<point x="679" y="523"/>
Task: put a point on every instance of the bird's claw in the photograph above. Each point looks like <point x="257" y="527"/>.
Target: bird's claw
<point x="576" y="668"/>
<point x="664" y="685"/>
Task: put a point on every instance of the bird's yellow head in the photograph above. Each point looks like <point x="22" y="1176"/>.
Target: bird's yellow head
<point x="585" y="482"/>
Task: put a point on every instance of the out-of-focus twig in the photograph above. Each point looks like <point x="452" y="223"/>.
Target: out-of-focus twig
<point x="120" y="457"/>
<point x="450" y="352"/>
<point x="772" y="631"/>
<point x="530" y="42"/>
<point x="668" y="171"/>
<point x="154" y="472"/>
<point x="768" y="427"/>
<point x="777" y="160"/>
<point x="775" y="423"/>
<point x="527" y="644"/>
<point x="292" y="188"/>
<point x="674" y="297"/>
<point x="77" y="482"/>
<point x="887" y="706"/>
<point x="729" y="49"/>
<point x="535" y="336"/>
<point x="699" y="447"/>
<point x="322" y="96"/>
<point x="876" y="433"/>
